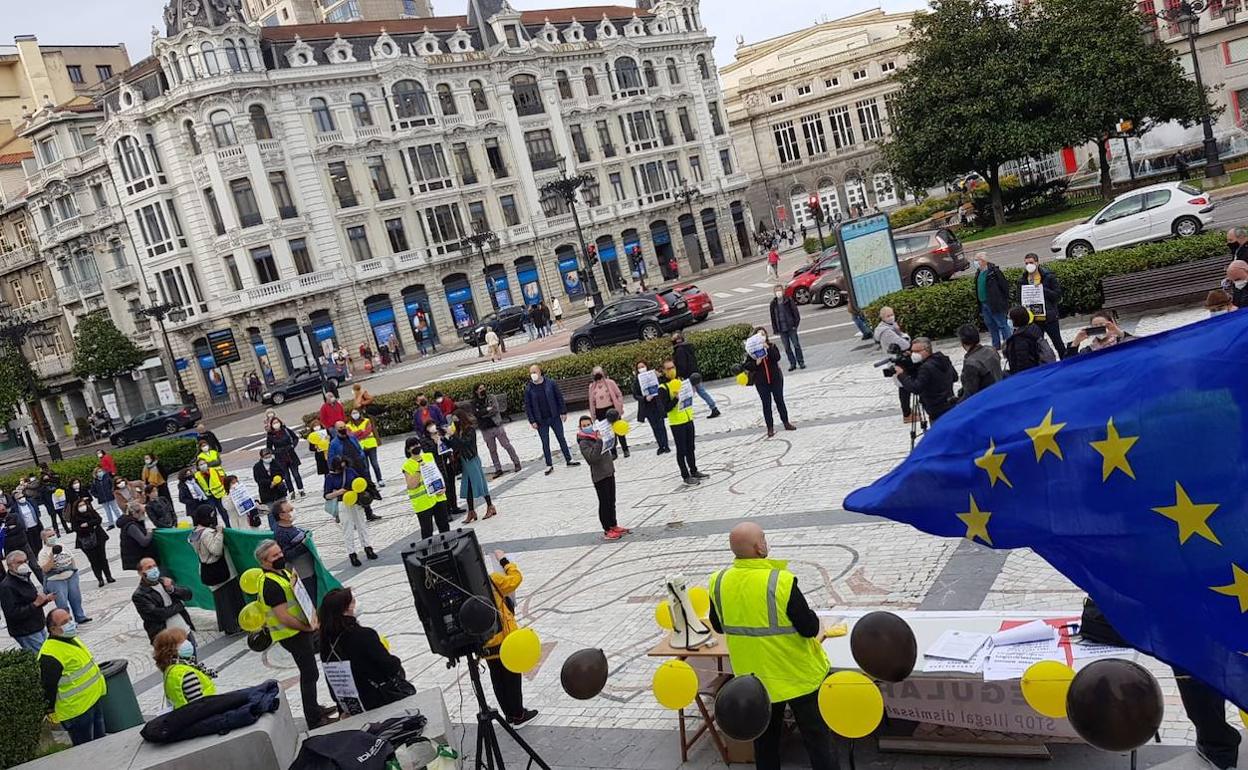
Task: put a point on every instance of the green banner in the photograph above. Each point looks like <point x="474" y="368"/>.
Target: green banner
<point x="179" y="562"/>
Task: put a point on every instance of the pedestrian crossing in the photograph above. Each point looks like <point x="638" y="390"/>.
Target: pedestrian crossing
<point x="739" y="290"/>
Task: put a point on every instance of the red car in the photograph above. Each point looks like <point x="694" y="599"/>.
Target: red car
<point x="799" y="288"/>
<point x="699" y="301"/>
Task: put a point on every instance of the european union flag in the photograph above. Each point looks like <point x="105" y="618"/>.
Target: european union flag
<point x="1127" y="470"/>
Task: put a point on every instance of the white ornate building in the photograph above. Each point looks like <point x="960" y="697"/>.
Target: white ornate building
<point x="313" y="185"/>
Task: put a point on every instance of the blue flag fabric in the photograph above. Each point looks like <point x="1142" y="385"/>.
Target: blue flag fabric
<point x="1127" y="470"/>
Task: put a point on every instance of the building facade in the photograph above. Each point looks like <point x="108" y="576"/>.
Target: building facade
<point x="33" y="75"/>
<point x="273" y="13"/>
<point x="313" y="186"/>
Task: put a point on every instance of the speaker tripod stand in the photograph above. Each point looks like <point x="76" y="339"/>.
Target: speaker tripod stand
<point x="489" y="753"/>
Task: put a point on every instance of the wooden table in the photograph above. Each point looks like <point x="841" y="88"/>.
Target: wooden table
<point x="717" y="652"/>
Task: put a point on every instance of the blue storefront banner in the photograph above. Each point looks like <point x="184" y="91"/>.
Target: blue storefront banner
<point x="529" y="286"/>
<point x="266" y="366"/>
<point x="217" y="386"/>
<point x="633" y="244"/>
<point x="571" y="278"/>
<point x="323" y="333"/>
<point x="502" y="292"/>
<point x="606" y="253"/>
<point x="461" y="313"/>
<point x="382" y="323"/>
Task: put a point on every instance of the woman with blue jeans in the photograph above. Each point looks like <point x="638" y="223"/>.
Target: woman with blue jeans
<point x="61" y="576"/>
<point x="104" y="494"/>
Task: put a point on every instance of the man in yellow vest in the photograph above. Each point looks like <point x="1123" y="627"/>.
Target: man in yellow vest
<point x="773" y="634"/>
<point x="208" y="454"/>
<point x="677" y="398"/>
<point x="290" y="626"/>
<point x="420" y="470"/>
<point x="366" y="433"/>
<point x="72" y="682"/>
<point x="212" y="481"/>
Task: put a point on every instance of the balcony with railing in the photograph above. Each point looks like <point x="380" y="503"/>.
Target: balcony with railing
<point x="372" y="268"/>
<point x="18" y="257"/>
<point x="52" y="366"/>
<point x="232" y="153"/>
<point x="61" y="231"/>
<point x="42" y="309"/>
<point x="121" y="277"/>
<point x="58" y="170"/>
<point x="68" y="295"/>
<point x="267" y="293"/>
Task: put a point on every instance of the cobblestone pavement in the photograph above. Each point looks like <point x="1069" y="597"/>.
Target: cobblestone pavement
<point x="580" y="591"/>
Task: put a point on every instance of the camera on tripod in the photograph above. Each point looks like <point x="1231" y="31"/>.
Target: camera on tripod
<point x="897" y="356"/>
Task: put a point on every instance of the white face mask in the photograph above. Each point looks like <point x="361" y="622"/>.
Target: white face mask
<point x="23" y="569"/>
<point x="890" y="320"/>
<point x="916" y="357"/>
<point x="535" y="377"/>
<point x="1240" y="284"/>
<point x="1213" y="313"/>
<point x="1032" y="267"/>
<point x="641" y="369"/>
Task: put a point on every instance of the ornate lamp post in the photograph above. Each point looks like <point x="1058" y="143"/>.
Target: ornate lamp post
<point x="566" y="186"/>
<point x="687" y="196"/>
<point x="480" y="238"/>
<point x="16" y="328"/>
<point x="174" y="312"/>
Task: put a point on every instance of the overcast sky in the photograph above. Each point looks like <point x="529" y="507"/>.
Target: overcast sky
<point x="130" y="21"/>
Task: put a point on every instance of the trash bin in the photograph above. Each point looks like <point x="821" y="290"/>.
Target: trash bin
<point x="121" y="707"/>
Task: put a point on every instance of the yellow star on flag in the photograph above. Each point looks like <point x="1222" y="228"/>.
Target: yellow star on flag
<point x="1192" y="518"/>
<point x="1238" y="587"/>
<point x="991" y="462"/>
<point x="1044" y="437"/>
<point x="976" y="523"/>
<point x="1113" y="451"/>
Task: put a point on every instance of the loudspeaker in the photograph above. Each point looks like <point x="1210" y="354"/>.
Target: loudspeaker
<point x="444" y="572"/>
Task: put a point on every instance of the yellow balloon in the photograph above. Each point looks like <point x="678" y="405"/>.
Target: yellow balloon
<point x="1243" y="717"/>
<point x="663" y="616"/>
<point x="521" y="651"/>
<point x="743" y="379"/>
<point x="184" y="525"/>
<point x="384" y="642"/>
<point x="251" y="617"/>
<point x="250" y="580"/>
<point x="851" y="704"/>
<point x="701" y="600"/>
<point x="277" y="480"/>
<point x="620" y="427"/>
<point x="60" y="492"/>
<point x="359" y="485"/>
<point x="350" y="497"/>
<point x="1044" y="686"/>
<point x="675" y="684"/>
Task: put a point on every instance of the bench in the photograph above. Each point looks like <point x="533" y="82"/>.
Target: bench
<point x="1162" y="286"/>
<point x="575" y="390"/>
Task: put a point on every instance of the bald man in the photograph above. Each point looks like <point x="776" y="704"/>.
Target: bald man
<point x="1236" y="283"/>
<point x="1237" y="242"/>
<point x="773" y="634"/>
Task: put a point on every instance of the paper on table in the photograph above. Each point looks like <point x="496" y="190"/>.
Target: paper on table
<point x="1035" y="631"/>
<point x="972" y="666"/>
<point x="1086" y="650"/>
<point x="1011" y="661"/>
<point x="957" y="645"/>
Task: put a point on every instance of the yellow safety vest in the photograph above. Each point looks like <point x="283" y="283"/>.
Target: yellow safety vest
<point x="277" y="631"/>
<point x="420" y="498"/>
<point x="365" y="443"/>
<point x="215" y="485"/>
<point x="173" y="683"/>
<point x="81" y="683"/>
<point x="677" y="416"/>
<point x="751" y="598"/>
<point x="210" y="456"/>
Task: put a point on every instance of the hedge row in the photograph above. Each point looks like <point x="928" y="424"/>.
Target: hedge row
<point x="719" y="351"/>
<point x="938" y="311"/>
<point x="174" y="453"/>
<point x="21" y="707"/>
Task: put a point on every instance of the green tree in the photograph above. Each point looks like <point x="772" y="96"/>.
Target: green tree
<point x="18" y="382"/>
<point x="973" y="96"/>
<point x="1103" y="72"/>
<point x="101" y="350"/>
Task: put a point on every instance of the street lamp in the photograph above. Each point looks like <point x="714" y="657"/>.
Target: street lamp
<point x="688" y="195"/>
<point x="16" y="327"/>
<point x="174" y="312"/>
<point x="1187" y="15"/>
<point x="479" y="239"/>
<point x="565" y="187"/>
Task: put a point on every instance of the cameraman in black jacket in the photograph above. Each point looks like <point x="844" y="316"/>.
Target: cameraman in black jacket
<point x="930" y="376"/>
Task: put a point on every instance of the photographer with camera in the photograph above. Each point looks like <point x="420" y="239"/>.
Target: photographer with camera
<point x="928" y="375"/>
<point x="888" y="335"/>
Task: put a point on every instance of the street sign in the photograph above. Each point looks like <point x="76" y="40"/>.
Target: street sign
<point x="224" y="348"/>
<point x="868" y="259"/>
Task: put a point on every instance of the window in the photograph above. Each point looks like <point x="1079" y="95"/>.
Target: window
<point x="513" y="37"/>
<point x="591" y="81"/>
<point x="15" y="286"/>
<point x="647" y="70"/>
<point x="321" y="116"/>
<point x="260" y="122"/>
<point x="617" y="186"/>
<point x="477" y="219"/>
<point x="890" y="107"/>
<point x="65" y="208"/>
<point x="299" y="252"/>
<point x="1123" y="208"/>
<point x="463" y="163"/>
<point x="859" y="74"/>
<point x="665" y="133"/>
<point x="673" y="74"/>
<point x="46" y="213"/>
<point x="1156" y="199"/>
<point x="673" y="173"/>
<point x="154" y="229"/>
<point x="84" y="138"/>
<point x="41" y="288"/>
<point x="651" y="183"/>
<point x="411" y="104"/>
<point x="869" y="119"/>
<point x="804" y="90"/>
<point x="214" y="211"/>
<point x="231" y="271"/>
<point x="360" y="112"/>
<point x="717" y="123"/>
<point x="23" y="233"/>
<point x="155" y="156"/>
<point x="527" y="95"/>
<point x="627" y="76"/>
<point x="638" y="129"/>
<point x="75" y="74"/>
<point x="245" y="202"/>
<point x="842" y="127"/>
<point x="105" y="71"/>
<point x="590" y="193"/>
<point x="812" y="132"/>
<point x="479" y="101"/>
<point x="695" y="168"/>
<point x="494" y="155"/>
<point x="686" y="125"/>
<point x="704" y="69"/>
<point x="776" y="98"/>
<point x="210" y="59"/>
<point x="604" y="139"/>
<point x="97" y="196"/>
<point x="231" y="57"/>
<point x="725" y="160"/>
<point x="397" y="236"/>
<point x="266" y="266"/>
<point x="191" y="138"/>
<point x="888" y="66"/>
<point x="443" y="227"/>
<point x="48" y="153"/>
<point x="565" y="85"/>
<point x="341" y="181"/>
<point x="511" y="215"/>
<point x="348" y="11"/>
<point x="786" y="142"/>
<point x="429" y="165"/>
<point x="446" y="100"/>
<point x="578" y="143"/>
<point x="831" y="82"/>
<point x="1235" y="51"/>
<point x="541" y="148"/>
<point x="379" y="176"/>
<point x="281" y="195"/>
<point x="357" y="240"/>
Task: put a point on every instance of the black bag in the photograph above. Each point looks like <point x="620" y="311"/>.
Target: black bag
<point x="344" y="750"/>
<point x="214" y="573"/>
<point x="402" y="730"/>
<point x="396" y="688"/>
<point x="1095" y="627"/>
<point x="89" y="541"/>
<point x="213" y="714"/>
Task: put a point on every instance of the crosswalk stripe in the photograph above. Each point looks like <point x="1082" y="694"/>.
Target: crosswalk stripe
<point x="721" y="295"/>
<point x="741" y="290"/>
<point x="763" y="285"/>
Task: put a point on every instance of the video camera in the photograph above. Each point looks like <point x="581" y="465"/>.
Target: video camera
<point x="897" y="356"/>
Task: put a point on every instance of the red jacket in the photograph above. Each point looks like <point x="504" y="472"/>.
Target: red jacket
<point x="447" y="405"/>
<point x="331" y="413"/>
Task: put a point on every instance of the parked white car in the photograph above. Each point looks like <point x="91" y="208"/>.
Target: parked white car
<point x="1172" y="209"/>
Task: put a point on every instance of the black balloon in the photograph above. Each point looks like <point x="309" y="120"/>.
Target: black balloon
<point x="1114" y="704"/>
<point x="884" y="646"/>
<point x="696" y="379"/>
<point x="612" y="415"/>
<point x="259" y="641"/>
<point x="584" y="673"/>
<point x="742" y="708"/>
<point x="477" y="616"/>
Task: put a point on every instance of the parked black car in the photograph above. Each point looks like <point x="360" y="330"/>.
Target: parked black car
<point x="636" y="317"/>
<point x="166" y="420"/>
<point x="301" y="383"/>
<point x="507" y="321"/>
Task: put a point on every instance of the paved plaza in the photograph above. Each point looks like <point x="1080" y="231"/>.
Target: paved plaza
<point x="580" y="591"/>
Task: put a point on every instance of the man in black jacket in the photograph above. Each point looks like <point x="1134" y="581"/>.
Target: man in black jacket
<point x="1236" y="283"/>
<point x="981" y="367"/>
<point x="1024" y="349"/>
<point x="22" y="604"/>
<point x="993" y="293"/>
<point x="1047" y="318"/>
<point x="784" y="322"/>
<point x="930" y="376"/>
<point x="270" y="478"/>
<point x="686" y="361"/>
<point x="160" y="602"/>
<point x="17" y="537"/>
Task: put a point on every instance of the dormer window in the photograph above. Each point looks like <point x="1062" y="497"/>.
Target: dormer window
<point x="512" y="35"/>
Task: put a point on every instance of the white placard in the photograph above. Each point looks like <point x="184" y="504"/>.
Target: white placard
<point x="164" y="392"/>
<point x="432" y="478"/>
<point x="649" y="382"/>
<point x="342" y="684"/>
<point x="606" y="433"/>
<point x="756" y="346"/>
<point x="685" y="396"/>
<point x="305" y="602"/>
<point x="243" y="500"/>
<point x="1033" y="298"/>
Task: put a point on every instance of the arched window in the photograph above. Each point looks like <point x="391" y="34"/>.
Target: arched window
<point x="673" y="74"/>
<point x="191" y="138"/>
<point x="222" y="129"/>
<point x="175" y="68"/>
<point x="703" y="69"/>
<point x="260" y="122"/>
<point x="410" y="99"/>
<point x="359" y="109"/>
<point x="244" y="53"/>
<point x="527" y="95"/>
<point x="131" y="159"/>
<point x="480" y="102"/>
<point x="321" y="115"/>
<point x="565" y="87"/>
<point x="446" y="100"/>
<point x="652" y="79"/>
<point x="210" y="58"/>
<point x="591" y="81"/>
<point x="231" y="57"/>
<point x="627" y="76"/>
<point x="192" y="54"/>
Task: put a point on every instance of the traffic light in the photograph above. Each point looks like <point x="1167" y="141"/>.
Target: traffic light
<point x="591" y="253"/>
<point x="816" y="210"/>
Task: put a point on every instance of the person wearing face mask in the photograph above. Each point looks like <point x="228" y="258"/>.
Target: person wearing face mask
<point x="106" y="461"/>
<point x="159" y="602"/>
<point x="426" y="412"/>
<point x="282" y="441"/>
<point x="350" y="516"/>
<point x="103" y="491"/>
<point x="186" y="680"/>
<point x="61" y="576"/>
<point x="444" y="402"/>
<point x="19" y="536"/>
<point x="447" y="460"/>
<point x="686" y="364"/>
<point x="420" y="469"/>
<point x="1026" y="348"/>
<point x="604" y="398"/>
<point x="379" y="676"/>
<point x="981" y="367"/>
<point x="785" y="319"/>
<point x="207" y="540"/>
<point x="22" y="603"/>
<point x="155" y="474"/>
<point x="602" y="474"/>
<point x="362" y="428"/>
<point x="73" y="685"/>
<point x="136" y="539"/>
<point x="1105" y="334"/>
<point x="461" y="435"/>
<point x="768" y="381"/>
<point x="1219" y="302"/>
<point x="207" y="454"/>
<point x="207" y="437"/>
<point x="680" y="418"/>
<point x="293" y="541"/>
<point x="650" y="410"/>
<point x="929" y="375"/>
<point x="27" y="513"/>
<point x="332" y="411"/>
<point x="1236" y="283"/>
<point x="1237" y="242"/>
<point x="346" y="446"/>
<point x="189" y="493"/>
<point x="490" y="422"/>
<point x="90" y="537"/>
<point x="887" y="334"/>
<point x="1050" y="320"/>
<point x="211" y="482"/>
<point x="270" y="478"/>
<point x="773" y="634"/>
<point x="546" y="410"/>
